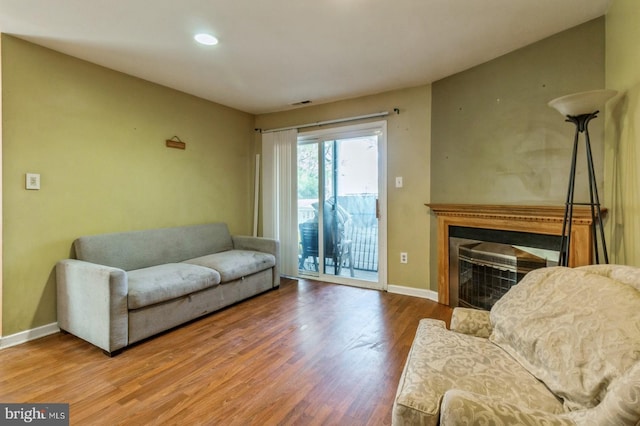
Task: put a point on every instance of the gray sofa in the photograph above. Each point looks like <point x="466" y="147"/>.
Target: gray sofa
<point x="124" y="287"/>
<point x="562" y="347"/>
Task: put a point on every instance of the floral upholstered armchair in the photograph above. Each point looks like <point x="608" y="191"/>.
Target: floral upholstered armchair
<point x="562" y="347"/>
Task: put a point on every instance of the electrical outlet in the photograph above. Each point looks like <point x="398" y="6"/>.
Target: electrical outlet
<point x="404" y="258"/>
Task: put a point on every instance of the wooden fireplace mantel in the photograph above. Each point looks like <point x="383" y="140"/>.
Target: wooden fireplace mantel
<point x="522" y="218"/>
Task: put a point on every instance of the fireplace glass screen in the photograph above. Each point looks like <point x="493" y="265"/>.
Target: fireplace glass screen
<point x="488" y="270"/>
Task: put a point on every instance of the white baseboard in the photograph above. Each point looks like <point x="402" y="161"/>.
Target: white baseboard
<point x="410" y="291"/>
<point x="28" y="335"/>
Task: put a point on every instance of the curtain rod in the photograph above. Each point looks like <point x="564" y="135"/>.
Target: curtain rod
<point x="338" y="120"/>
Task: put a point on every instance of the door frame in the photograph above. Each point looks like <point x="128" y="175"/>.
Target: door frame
<point x="350" y="131"/>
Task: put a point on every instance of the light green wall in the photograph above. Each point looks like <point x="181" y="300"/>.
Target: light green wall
<point x="97" y="137"/>
<point x="622" y="148"/>
<point x="408" y="155"/>
<point x="496" y="141"/>
<point x="494" y="138"/>
<point x="1" y="208"/>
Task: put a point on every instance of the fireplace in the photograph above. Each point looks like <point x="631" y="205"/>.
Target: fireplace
<point x="484" y="264"/>
<point x="533" y="229"/>
<point x="488" y="270"/>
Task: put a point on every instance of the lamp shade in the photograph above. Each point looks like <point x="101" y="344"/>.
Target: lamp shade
<point x="582" y="103"/>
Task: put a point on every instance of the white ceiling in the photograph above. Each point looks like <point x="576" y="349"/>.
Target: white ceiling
<point x="273" y="53"/>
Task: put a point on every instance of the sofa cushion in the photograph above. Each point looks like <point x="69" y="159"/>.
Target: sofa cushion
<point x="160" y="283"/>
<point x="141" y="249"/>
<point x="621" y="405"/>
<point x="441" y="360"/>
<point x="629" y="275"/>
<point x="234" y="264"/>
<point x="575" y="330"/>
<point x="467" y="408"/>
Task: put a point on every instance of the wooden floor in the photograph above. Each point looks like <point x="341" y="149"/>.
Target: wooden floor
<point x="307" y="353"/>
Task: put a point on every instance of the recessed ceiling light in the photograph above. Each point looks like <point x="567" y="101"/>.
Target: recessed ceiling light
<point x="207" y="39"/>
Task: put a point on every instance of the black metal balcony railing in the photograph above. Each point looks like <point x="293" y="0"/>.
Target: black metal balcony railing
<point x="364" y="247"/>
<point x="361" y="230"/>
<point x="364" y="250"/>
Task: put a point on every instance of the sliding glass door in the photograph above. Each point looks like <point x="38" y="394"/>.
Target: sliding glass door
<point x="340" y="238"/>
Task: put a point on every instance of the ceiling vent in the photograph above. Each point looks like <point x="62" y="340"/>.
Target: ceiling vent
<point x="307" y="102"/>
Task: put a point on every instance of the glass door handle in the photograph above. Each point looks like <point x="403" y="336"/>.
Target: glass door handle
<point x="377" y="209"/>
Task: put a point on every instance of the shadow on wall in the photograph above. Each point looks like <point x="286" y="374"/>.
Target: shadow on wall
<point x="43" y="313"/>
<point x="624" y="116"/>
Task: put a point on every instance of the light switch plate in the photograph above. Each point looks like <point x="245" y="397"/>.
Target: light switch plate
<point x="33" y="181"/>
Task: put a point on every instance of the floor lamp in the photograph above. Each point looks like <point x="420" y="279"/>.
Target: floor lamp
<point x="579" y="109"/>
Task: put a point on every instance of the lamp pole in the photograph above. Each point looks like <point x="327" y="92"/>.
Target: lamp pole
<point x="582" y="126"/>
<point x="580" y="109"/>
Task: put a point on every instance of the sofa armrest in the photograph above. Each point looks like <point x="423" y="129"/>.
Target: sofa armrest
<point x="466" y="408"/>
<point x="620" y="405"/>
<point x="265" y="245"/>
<point x="474" y="322"/>
<point x="261" y="244"/>
<point x="92" y="303"/>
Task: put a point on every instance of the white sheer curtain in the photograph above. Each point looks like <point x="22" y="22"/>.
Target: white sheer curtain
<point x="279" y="195"/>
